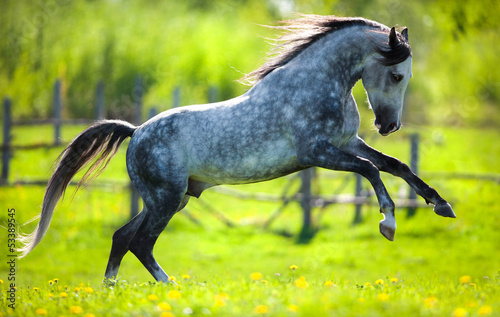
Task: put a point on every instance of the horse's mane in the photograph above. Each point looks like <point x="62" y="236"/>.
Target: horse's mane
<point x="300" y="33"/>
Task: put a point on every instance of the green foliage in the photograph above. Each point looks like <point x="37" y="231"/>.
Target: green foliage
<point x="196" y="44"/>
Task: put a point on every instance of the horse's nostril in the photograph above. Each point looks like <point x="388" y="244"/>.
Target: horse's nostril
<point x="392" y="126"/>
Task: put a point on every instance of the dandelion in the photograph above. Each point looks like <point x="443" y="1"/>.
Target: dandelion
<point x="459" y="312"/>
<point x="167" y="314"/>
<point x="164" y="306"/>
<point x="75" y="310"/>
<point x="485" y="310"/>
<point x="153" y="297"/>
<point x="293" y="267"/>
<point x="40" y="311"/>
<point x="172" y="278"/>
<point x="430" y="302"/>
<point x="220" y="299"/>
<point x="1" y="282"/>
<point x="379" y="281"/>
<point x="89" y="290"/>
<point x="293" y="308"/>
<point x="51" y="282"/>
<point x="186" y="276"/>
<point x="63" y="294"/>
<point x="466" y="279"/>
<point x="56" y="280"/>
<point x="383" y="297"/>
<point x="89" y="315"/>
<point x="329" y="284"/>
<point x="368" y="284"/>
<point x="51" y="295"/>
<point x="255" y="276"/>
<point x="261" y="309"/>
<point x="174" y="294"/>
<point x="36" y="289"/>
<point x="394" y="280"/>
<point x="301" y="282"/>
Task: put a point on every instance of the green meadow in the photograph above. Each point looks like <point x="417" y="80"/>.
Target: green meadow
<point x="435" y="267"/>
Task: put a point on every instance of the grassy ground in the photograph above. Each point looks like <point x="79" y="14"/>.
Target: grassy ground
<point x="435" y="267"/>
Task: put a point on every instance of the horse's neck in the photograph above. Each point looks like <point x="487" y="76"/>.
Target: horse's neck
<point x="337" y="59"/>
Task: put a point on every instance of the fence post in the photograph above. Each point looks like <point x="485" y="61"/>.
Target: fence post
<point x="213" y="94"/>
<point x="414" y="140"/>
<point x="137" y="97"/>
<point x="57" y="112"/>
<point x="176" y="99"/>
<point x="99" y="101"/>
<point x="6" y="146"/>
<point x="306" y="232"/>
<point x="358" y="217"/>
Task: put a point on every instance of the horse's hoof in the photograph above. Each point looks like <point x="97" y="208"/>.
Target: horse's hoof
<point x="445" y="210"/>
<point x="387" y="232"/>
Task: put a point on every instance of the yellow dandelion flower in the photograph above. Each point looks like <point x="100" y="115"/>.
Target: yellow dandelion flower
<point x="153" y="297"/>
<point x="379" y="281"/>
<point x="292" y="308"/>
<point x="383" y="297"/>
<point x="466" y="279"/>
<point x="63" y="294"/>
<point x="89" y="315"/>
<point x="89" y="290"/>
<point x="56" y="280"/>
<point x="301" y="282"/>
<point x="430" y="302"/>
<point x="223" y="296"/>
<point x="77" y="289"/>
<point x="255" y="276"/>
<point x="164" y="306"/>
<point x="485" y="310"/>
<point x="51" y="282"/>
<point x="174" y="294"/>
<point x="394" y="280"/>
<point x="220" y="302"/>
<point x="293" y="267"/>
<point x="41" y="311"/>
<point x="75" y="310"/>
<point x="36" y="289"/>
<point x="1" y="282"/>
<point x="329" y="284"/>
<point x="51" y="295"/>
<point x="368" y="284"/>
<point x="186" y="276"/>
<point x="459" y="312"/>
<point x="167" y="314"/>
<point x="172" y="278"/>
<point x="263" y="282"/>
<point x="261" y="309"/>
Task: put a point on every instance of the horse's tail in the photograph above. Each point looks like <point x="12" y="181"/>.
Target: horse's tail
<point x="99" y="142"/>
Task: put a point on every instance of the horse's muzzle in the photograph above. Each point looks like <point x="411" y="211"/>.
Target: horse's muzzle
<point x="388" y="128"/>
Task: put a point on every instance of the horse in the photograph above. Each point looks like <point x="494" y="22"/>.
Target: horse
<point x="298" y="113"/>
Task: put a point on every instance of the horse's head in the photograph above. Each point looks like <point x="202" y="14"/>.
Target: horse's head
<point x="385" y="78"/>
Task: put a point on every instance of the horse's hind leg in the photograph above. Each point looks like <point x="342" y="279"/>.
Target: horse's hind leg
<point x="120" y="246"/>
<point x="157" y="216"/>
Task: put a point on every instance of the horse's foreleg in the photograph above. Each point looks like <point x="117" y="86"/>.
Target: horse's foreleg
<point x="324" y="154"/>
<point x="395" y="167"/>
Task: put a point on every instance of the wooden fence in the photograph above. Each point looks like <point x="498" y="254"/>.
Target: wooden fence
<point x="305" y="196"/>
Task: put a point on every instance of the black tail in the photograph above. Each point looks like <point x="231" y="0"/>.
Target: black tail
<point x="100" y="141"/>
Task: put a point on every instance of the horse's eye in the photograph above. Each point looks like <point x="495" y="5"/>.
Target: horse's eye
<point x="397" y="77"/>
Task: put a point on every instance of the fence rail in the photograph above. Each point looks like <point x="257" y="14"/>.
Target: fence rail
<point x="305" y="196"/>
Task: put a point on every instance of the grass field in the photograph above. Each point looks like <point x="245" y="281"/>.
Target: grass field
<point x="435" y="267"/>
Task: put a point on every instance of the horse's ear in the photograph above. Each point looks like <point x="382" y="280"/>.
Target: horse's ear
<point x="404" y="33"/>
<point x="393" y="40"/>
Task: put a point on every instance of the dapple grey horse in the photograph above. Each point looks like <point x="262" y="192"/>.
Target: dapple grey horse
<point x="299" y="113"/>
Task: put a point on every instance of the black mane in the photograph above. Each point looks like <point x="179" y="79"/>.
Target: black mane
<point x="302" y="32"/>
